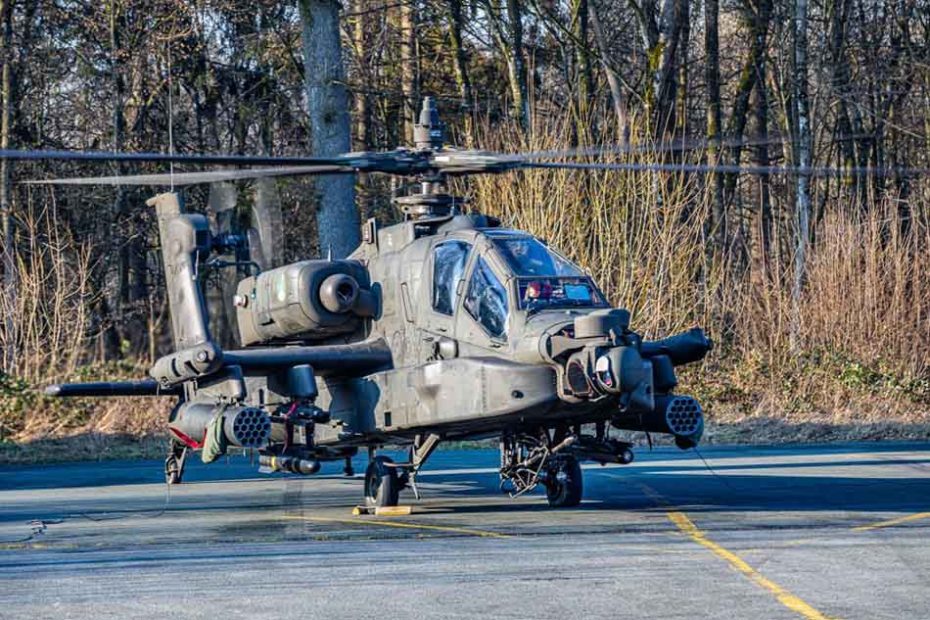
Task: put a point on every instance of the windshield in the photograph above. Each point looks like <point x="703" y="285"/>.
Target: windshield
<point x="566" y="292"/>
<point x="545" y="278"/>
<point x="527" y="256"/>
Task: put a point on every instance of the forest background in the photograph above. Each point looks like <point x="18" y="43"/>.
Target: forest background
<point x="815" y="288"/>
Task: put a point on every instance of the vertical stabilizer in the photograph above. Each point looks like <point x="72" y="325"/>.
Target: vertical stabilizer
<point x="185" y="238"/>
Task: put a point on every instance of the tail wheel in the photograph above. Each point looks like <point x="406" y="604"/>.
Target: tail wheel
<point x="382" y="484"/>
<point x="565" y="483"/>
<point x="174" y="463"/>
<point x="172" y="471"/>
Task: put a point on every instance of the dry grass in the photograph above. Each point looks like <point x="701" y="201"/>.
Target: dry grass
<point x="46" y="309"/>
<point x="45" y="337"/>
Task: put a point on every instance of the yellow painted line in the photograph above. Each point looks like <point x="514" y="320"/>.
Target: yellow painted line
<point x="22" y="545"/>
<point x="784" y="597"/>
<point x="892" y="522"/>
<point x="398" y="524"/>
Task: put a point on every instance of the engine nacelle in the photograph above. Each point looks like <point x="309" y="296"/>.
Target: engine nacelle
<point x="309" y="300"/>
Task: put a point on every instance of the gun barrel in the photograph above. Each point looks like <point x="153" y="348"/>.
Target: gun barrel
<point x="141" y="387"/>
<point x="683" y="348"/>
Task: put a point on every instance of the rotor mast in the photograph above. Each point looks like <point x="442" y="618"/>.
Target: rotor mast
<point x="432" y="201"/>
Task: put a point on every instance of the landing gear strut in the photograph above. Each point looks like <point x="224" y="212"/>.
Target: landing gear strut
<point x="382" y="483"/>
<point x="528" y="459"/>
<point x="174" y="463"/>
<point x="385" y="479"/>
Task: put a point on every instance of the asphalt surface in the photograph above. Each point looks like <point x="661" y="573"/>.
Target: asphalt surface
<point x="839" y="531"/>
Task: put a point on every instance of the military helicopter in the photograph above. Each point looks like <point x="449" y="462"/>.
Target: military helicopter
<point x="445" y="326"/>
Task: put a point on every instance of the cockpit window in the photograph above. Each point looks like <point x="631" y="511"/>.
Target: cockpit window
<point x="564" y="292"/>
<point x="449" y="260"/>
<point x="528" y="257"/>
<point x="486" y="300"/>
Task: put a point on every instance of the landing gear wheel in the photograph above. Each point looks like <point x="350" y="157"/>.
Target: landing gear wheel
<point x="174" y="463"/>
<point x="382" y="484"/>
<point x="565" y="483"/>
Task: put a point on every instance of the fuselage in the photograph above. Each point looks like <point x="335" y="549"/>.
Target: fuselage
<point x="468" y="338"/>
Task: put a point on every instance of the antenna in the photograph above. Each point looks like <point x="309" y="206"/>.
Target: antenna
<point x="430" y="132"/>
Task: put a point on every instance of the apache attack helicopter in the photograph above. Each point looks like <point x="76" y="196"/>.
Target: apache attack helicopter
<point x="443" y="327"/>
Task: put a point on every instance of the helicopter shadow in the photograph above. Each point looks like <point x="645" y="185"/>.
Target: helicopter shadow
<point x="846" y="485"/>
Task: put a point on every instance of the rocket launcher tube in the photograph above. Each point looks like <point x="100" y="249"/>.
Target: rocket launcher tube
<point x="247" y="427"/>
<point x="677" y="415"/>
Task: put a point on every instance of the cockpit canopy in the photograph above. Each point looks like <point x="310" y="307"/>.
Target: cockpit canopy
<point x="528" y="257"/>
<point x="545" y="278"/>
<point x="513" y="270"/>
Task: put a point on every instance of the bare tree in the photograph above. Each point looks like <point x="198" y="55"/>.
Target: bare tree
<point x="409" y="65"/>
<point x="804" y="161"/>
<point x="328" y="109"/>
<point x="718" y="222"/>
<point x="613" y="80"/>
<point x="462" y="78"/>
<point x="6" y="202"/>
<point x="661" y="29"/>
<point x="584" y="90"/>
<point x="508" y="32"/>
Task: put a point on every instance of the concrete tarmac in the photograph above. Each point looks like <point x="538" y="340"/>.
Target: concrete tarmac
<point x="835" y="531"/>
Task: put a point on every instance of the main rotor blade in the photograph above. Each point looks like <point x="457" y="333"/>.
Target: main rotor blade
<point x="181" y="179"/>
<point x="814" y="171"/>
<point x="657" y="147"/>
<point x="347" y="159"/>
<point x="469" y="162"/>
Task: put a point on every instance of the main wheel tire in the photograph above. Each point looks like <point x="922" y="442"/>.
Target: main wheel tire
<point x="566" y="483"/>
<point x="382" y="484"/>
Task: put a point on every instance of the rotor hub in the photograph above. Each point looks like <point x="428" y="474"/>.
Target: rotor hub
<point x="427" y="205"/>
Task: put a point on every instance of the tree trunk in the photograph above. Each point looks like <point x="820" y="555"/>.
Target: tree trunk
<point x="409" y="61"/>
<point x="739" y="116"/>
<point x="718" y="225"/>
<point x="840" y="72"/>
<point x="328" y="109"/>
<point x="6" y="204"/>
<point x="362" y="98"/>
<point x="613" y="80"/>
<point x="762" y="129"/>
<point x="462" y="79"/>
<point x="684" y="84"/>
<point x="363" y="138"/>
<point x="517" y="65"/>
<point x="661" y="34"/>
<point x="584" y="90"/>
<point x="804" y="162"/>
